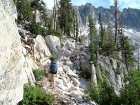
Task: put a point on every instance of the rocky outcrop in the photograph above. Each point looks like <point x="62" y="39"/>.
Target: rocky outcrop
<point x="12" y="76"/>
<point x="15" y="62"/>
<point x="41" y="47"/>
<point x="53" y="43"/>
<point x="113" y="70"/>
<point x="131" y="18"/>
<point x="82" y="13"/>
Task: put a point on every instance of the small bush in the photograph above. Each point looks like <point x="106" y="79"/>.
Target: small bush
<point x="118" y="71"/>
<point x="103" y="93"/>
<point x="38" y="74"/>
<point x="36" y="96"/>
<point x="85" y="74"/>
<point x="62" y="45"/>
<point x="53" y="58"/>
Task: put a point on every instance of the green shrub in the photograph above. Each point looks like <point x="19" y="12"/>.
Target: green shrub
<point x="118" y="71"/>
<point x="39" y="74"/>
<point x="85" y="74"/>
<point x="36" y="96"/>
<point x="62" y="45"/>
<point x="14" y="2"/>
<point x="36" y="29"/>
<point x="103" y="93"/>
<point x="130" y="94"/>
<point x="53" y="58"/>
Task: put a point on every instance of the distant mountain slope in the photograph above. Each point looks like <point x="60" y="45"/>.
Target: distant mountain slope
<point x="130" y="17"/>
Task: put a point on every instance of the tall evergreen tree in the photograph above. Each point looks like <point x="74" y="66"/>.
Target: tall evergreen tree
<point x="77" y="29"/>
<point x="103" y="37"/>
<point x="44" y="14"/>
<point x="24" y="10"/>
<point x="110" y="33"/>
<point x="50" y="26"/>
<point x="36" y="5"/>
<point x="110" y="46"/>
<point x="65" y="16"/>
<point x="58" y="30"/>
<point x="93" y="40"/>
<point x="101" y="30"/>
<point x="103" y="42"/>
<point x="91" y="29"/>
<point x="75" y="24"/>
<point x="127" y="52"/>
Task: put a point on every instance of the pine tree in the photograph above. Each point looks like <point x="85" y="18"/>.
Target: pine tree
<point x="103" y="37"/>
<point x="101" y="30"/>
<point x="77" y="29"/>
<point x="116" y="20"/>
<point x="127" y="52"/>
<point x="75" y="24"/>
<point x="92" y="29"/>
<point x="36" y="5"/>
<point x="58" y="30"/>
<point x="104" y="43"/>
<point x="50" y="26"/>
<point x="65" y="17"/>
<point x="24" y="10"/>
<point x="110" y="47"/>
<point x="44" y="15"/>
<point x="93" y="40"/>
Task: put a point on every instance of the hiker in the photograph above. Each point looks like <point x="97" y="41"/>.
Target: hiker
<point x="76" y="39"/>
<point x="79" y="39"/>
<point x="53" y="68"/>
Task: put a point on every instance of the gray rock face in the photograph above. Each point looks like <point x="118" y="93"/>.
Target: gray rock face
<point x="41" y="47"/>
<point x="111" y="68"/>
<point x="12" y="76"/>
<point x="129" y="16"/>
<point x="53" y="43"/>
<point x="85" y="10"/>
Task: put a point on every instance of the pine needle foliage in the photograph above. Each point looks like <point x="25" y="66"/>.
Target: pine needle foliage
<point x="65" y="17"/>
<point x="36" y="96"/>
<point x="93" y="40"/>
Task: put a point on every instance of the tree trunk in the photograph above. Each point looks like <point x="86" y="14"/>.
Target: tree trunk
<point x="116" y="21"/>
<point x="93" y="73"/>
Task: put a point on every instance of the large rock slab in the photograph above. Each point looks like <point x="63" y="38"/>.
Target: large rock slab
<point x="69" y="45"/>
<point x="53" y="43"/>
<point x="12" y="75"/>
<point x="41" y="47"/>
<point x="109" y="65"/>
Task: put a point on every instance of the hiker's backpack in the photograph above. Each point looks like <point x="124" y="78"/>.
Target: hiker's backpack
<point x="53" y="68"/>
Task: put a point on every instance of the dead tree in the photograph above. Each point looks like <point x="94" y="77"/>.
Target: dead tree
<point x="55" y="8"/>
<point x="116" y="20"/>
<point x="54" y="15"/>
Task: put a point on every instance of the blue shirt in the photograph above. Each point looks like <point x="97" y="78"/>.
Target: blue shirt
<point x="53" y="63"/>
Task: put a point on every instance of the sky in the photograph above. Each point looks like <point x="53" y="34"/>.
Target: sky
<point x="103" y="3"/>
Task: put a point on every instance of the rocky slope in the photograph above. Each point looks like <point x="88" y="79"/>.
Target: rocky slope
<point x="21" y="52"/>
